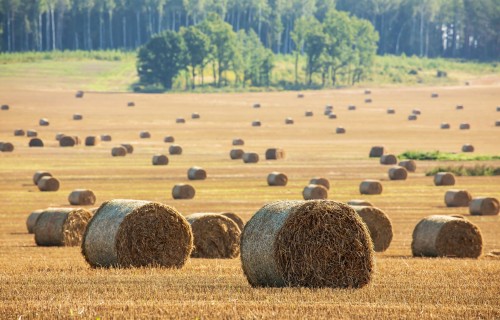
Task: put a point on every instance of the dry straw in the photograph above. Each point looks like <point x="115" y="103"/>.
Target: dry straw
<point x="195" y="115"/>
<point x="277" y="179"/>
<point x="169" y="139"/>
<point x="275" y="154"/>
<point x="48" y="184"/>
<point x="256" y="123"/>
<point x="6" y="147"/>
<point x="250" y="157"/>
<point x="445" y="236"/>
<point x="119" y="152"/>
<point x="31" y="221"/>
<point x="377" y="151"/>
<point x="457" y="198"/>
<point x="378" y="224"/>
<point x="445" y="125"/>
<point x="90" y="141"/>
<point x="370" y="187"/>
<point x="215" y="236"/>
<point x="128" y="147"/>
<point x="105" y="137"/>
<point x="236" y="154"/>
<point x="77" y="116"/>
<point x="289" y="121"/>
<point x="307" y="244"/>
<point x="36" y="142"/>
<point x="175" y="149"/>
<point x="467" y="148"/>
<point x="320" y="181"/>
<point x="40" y="174"/>
<point x="409" y="165"/>
<point x="160" y="160"/>
<point x="484" y="206"/>
<point x="196" y="173"/>
<point x="314" y="192"/>
<point x="31" y="133"/>
<point x="82" y="197"/>
<point x="180" y="120"/>
<point x="340" y="130"/>
<point x="67" y="141"/>
<point x="398" y="173"/>
<point x="388" y="159"/>
<point x="61" y="226"/>
<point x="144" y="135"/>
<point x="19" y="132"/>
<point x="238" y="142"/>
<point x="236" y="219"/>
<point x="464" y="126"/>
<point x="183" y="191"/>
<point x="444" y="179"/>
<point x="134" y="233"/>
<point x="43" y="122"/>
<point x="359" y="202"/>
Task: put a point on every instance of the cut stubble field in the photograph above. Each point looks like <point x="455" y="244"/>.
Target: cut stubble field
<point x="49" y="282"/>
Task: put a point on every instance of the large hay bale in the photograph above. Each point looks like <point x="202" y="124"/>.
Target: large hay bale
<point x="256" y="123"/>
<point x="77" y="116"/>
<point x="236" y="154"/>
<point x="467" y="148"/>
<point x="275" y="154"/>
<point x="79" y="94"/>
<point x="359" y="202"/>
<point x="236" y="219"/>
<point x="250" y="157"/>
<point x="309" y="113"/>
<point x="379" y="225"/>
<point x="388" y="159"/>
<point x="308" y="244"/>
<point x="169" y="139"/>
<point x="321" y="181"/>
<point x="44" y="122"/>
<point x="464" y="126"/>
<point x="289" y="121"/>
<point x="340" y="130"/>
<point x="370" y="186"/>
<point x="144" y="135"/>
<point x="409" y="165"/>
<point x="31" y="221"/>
<point x="183" y="191"/>
<point x="484" y="206"/>
<point x="5" y="107"/>
<point x="36" y="142"/>
<point x="160" y="160"/>
<point x="19" y="132"/>
<point x="277" y="179"/>
<point x="391" y="111"/>
<point x="82" y="197"/>
<point x="6" y="147"/>
<point x="48" y="183"/>
<point x="180" y="120"/>
<point x="134" y="233"/>
<point x="196" y="173"/>
<point x="40" y="174"/>
<point x="412" y="117"/>
<point x="128" y="147"/>
<point x="215" y="236"/>
<point x="315" y="192"/>
<point x="90" y="141"/>
<point x="398" y="173"/>
<point x="106" y="137"/>
<point x="67" y="141"/>
<point x="457" y="198"/>
<point x="445" y="125"/>
<point x="351" y="107"/>
<point x="416" y="112"/>
<point x="376" y="151"/>
<point x="61" y="226"/>
<point x="195" y="115"/>
<point x="175" y="149"/>
<point x="445" y="236"/>
<point x="238" y="142"/>
<point x="31" y="133"/>
<point x="118" y="152"/>
<point x="444" y="179"/>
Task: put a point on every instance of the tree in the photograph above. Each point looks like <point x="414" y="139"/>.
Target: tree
<point x="253" y="60"/>
<point x="314" y="44"/>
<point x="298" y="36"/>
<point x="197" y="49"/>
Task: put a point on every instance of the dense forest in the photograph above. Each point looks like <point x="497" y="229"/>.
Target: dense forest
<point x="432" y="28"/>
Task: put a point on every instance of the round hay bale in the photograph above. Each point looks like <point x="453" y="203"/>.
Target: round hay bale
<point x="498" y="109"/>
<point x="379" y="225"/>
<point x="307" y="244"/>
<point x="59" y="135"/>
<point x="445" y="236"/>
<point x="180" y="120"/>
<point x="19" y="132"/>
<point x="235" y="154"/>
<point x="236" y="219"/>
<point x="467" y="148"/>
<point x="67" y="141"/>
<point x="289" y="121"/>
<point x="90" y="141"/>
<point x="160" y="160"/>
<point x="256" y="123"/>
<point x="144" y="135"/>
<point x="44" y="122"/>
<point x="119" y="152"/>
<point x="457" y="198"/>
<point x="370" y="187"/>
<point x="77" y="116"/>
<point x="250" y="157"/>
<point x="169" y="139"/>
<point x="444" y="179"/>
<point x="48" y="183"/>
<point x="497" y="123"/>
<point x="277" y="179"/>
<point x="398" y="173"/>
<point x="368" y="91"/>
<point x="40" y="174"/>
<point x="340" y="130"/>
<point x="215" y="236"/>
<point x="6" y="147"/>
<point x="332" y="116"/>
<point x="315" y="192"/>
<point x="105" y="137"/>
<point x="434" y="95"/>
<point x="484" y="206"/>
<point x="376" y="151"/>
<point x="327" y="112"/>
<point x="131" y="104"/>
<point x="409" y="165"/>
<point x="329" y="107"/>
<point x="31" y="133"/>
<point x="36" y="142"/>
<point x="183" y="191"/>
<point x="391" y="111"/>
<point x="300" y="95"/>
<point x="275" y="154"/>
<point x="351" y="107"/>
<point x="388" y="159"/>
<point x="128" y="147"/>
<point x="82" y="197"/>
<point x="256" y="105"/>
<point x="445" y="125"/>
<point x="368" y="100"/>
<point x="31" y="221"/>
<point x="196" y="173"/>
<point x="5" y="107"/>
<point x="309" y="113"/>
<point x="238" y="142"/>
<point x="175" y="149"/>
<point x="79" y="94"/>
<point x="134" y="233"/>
<point x="464" y="126"/>
<point x="412" y="117"/>
<point x="416" y="111"/>
<point x="61" y="226"/>
<point x="359" y="202"/>
<point x="459" y="107"/>
<point x="320" y="181"/>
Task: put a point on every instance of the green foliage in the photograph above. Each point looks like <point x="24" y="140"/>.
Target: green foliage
<point x="477" y="170"/>
<point x="253" y="62"/>
<point x="197" y="49"/>
<point x="445" y="156"/>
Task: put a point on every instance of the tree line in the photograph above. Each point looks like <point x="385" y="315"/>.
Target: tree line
<point x="429" y="28"/>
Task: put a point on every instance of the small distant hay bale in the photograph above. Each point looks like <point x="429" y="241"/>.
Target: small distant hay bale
<point x="256" y="105"/>
<point x="59" y="135"/>
<point x="19" y="132"/>
<point x="484" y="206"/>
<point x="79" y="94"/>
<point x="340" y="130"/>
<point x="131" y="104"/>
<point x="467" y="148"/>
<point x="445" y="125"/>
<point x="315" y="192"/>
<point x="376" y="151"/>
<point x="48" y="183"/>
<point x="370" y="186"/>
<point x="368" y="91"/>
<point x="105" y="137"/>
<point x="351" y="107"/>
<point x="44" y="122"/>
<point x="368" y="100"/>
<point x="459" y="107"/>
<point x="359" y="202"/>
<point x="77" y="116"/>
<point x="498" y="109"/>
<point x="238" y="142"/>
<point x="5" y="107"/>
<point x="332" y="116"/>
<point x="236" y="219"/>
<point x="144" y="135"/>
<point x="61" y="226"/>
<point x="412" y="117"/>
<point x="379" y="225"/>
<point x="445" y="236"/>
<point x="444" y="179"/>
<point x="309" y="113"/>
<point x="90" y="141"/>
<point x="464" y="126"/>
<point x="31" y="221"/>
<point x="388" y="159"/>
<point x="409" y="165"/>
<point x="67" y="141"/>
<point x="391" y="111"/>
<point x="277" y="179"/>
<point x="434" y="95"/>
<point x="307" y="244"/>
<point x="256" y="123"/>
<point x="40" y="174"/>
<point x="195" y="115"/>
<point x="398" y="173"/>
<point x="457" y="198"/>
<point x="289" y="121"/>
<point x="175" y="149"/>
<point x="250" y="157"/>
<point x="183" y="191"/>
<point x="160" y="160"/>
<point x="215" y="236"/>
<point x="320" y="181"/>
<point x="196" y="173"/>
<point x="327" y="112"/>
<point x="236" y="154"/>
<point x="133" y="233"/>
<point x="36" y="142"/>
<point x="416" y="111"/>
<point x="328" y="108"/>
<point x="180" y="120"/>
<point x="275" y="154"/>
<point x="300" y="95"/>
<point x="31" y="133"/>
<point x="497" y="123"/>
<point x="128" y="147"/>
<point x="169" y="139"/>
<point x="6" y="147"/>
<point x="119" y="151"/>
<point x="82" y="197"/>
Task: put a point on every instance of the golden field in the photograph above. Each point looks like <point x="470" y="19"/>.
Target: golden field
<point x="56" y="282"/>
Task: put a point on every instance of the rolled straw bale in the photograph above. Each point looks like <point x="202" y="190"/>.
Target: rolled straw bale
<point x="359" y="202"/>
<point x="416" y="111"/>
<point x="256" y="105"/>
<point x="215" y="236"/>
<point x="36" y="142"/>
<point x="59" y="135"/>
<point x="327" y="112"/>
<point x="398" y="173"/>
<point x="340" y="130"/>
<point x="277" y="179"/>
<point x="256" y="123"/>
<point x="40" y="174"/>
<point x="484" y="206"/>
<point x="61" y="226"/>
<point x="77" y="116"/>
<point x="370" y="187"/>
<point x="307" y="244"/>
<point x="169" y="139"/>
<point x="196" y="173"/>
<point x="160" y="160"/>
<point x="445" y="125"/>
<point x="131" y="104"/>
<point x="391" y="111"/>
<point x="379" y="225"/>
<point x="388" y="159"/>
<point x="351" y="107"/>
<point x="82" y="197"/>
<point x="180" y="120"/>
<point x="368" y="91"/>
<point x="459" y="107"/>
<point x="300" y="95"/>
<point x="134" y="233"/>
<point x="368" y="100"/>
<point x="464" y="126"/>
<point x="250" y="157"/>
<point x="31" y="221"/>
<point x="309" y="113"/>
<point x="434" y="95"/>
<point x="497" y="123"/>
<point x="236" y="219"/>
<point x="31" y="133"/>
<point x="48" y="183"/>
<point x="195" y="115"/>
<point x="175" y="149"/>
<point x="467" y="148"/>
<point x="128" y="147"/>
<point x="79" y="94"/>
<point x="412" y="117"/>
<point x="321" y="181"/>
<point x="498" y="109"/>
<point x="409" y="165"/>
<point x="329" y="107"/>
<point x="275" y="154"/>
<point x="315" y="192"/>
<point x="105" y="137"/>
<point x="119" y="152"/>
<point x="183" y="191"/>
<point x="236" y="154"/>
<point x="444" y="179"/>
<point x="5" y="107"/>
<point x="6" y="147"/>
<point x="445" y="236"/>
<point x="457" y="198"/>
<point x="67" y="141"/>
<point x="376" y="151"/>
<point x="19" y="132"/>
<point x="238" y="142"/>
<point x="144" y="135"/>
<point x="332" y="116"/>
<point x="90" y="141"/>
<point x="44" y="122"/>
<point x="289" y="121"/>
